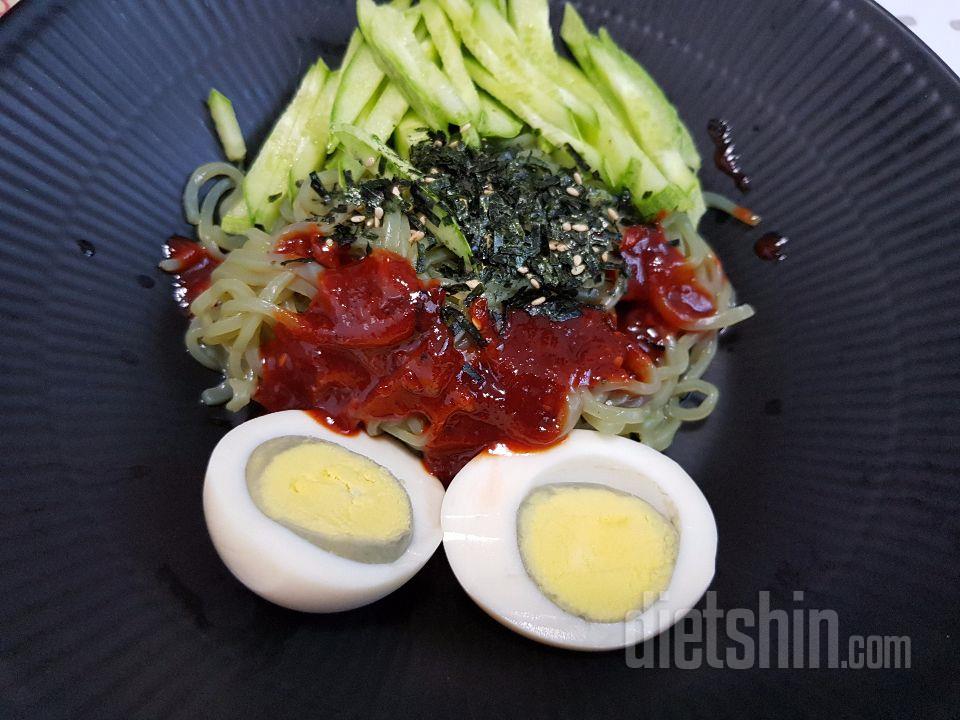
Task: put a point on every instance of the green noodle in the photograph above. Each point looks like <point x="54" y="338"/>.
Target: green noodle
<point x="251" y="287"/>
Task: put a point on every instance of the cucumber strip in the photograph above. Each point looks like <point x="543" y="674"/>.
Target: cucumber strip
<point x="495" y="120"/>
<point x="652" y="119"/>
<point x="312" y="148"/>
<point x="448" y="47"/>
<point x="410" y="131"/>
<point x="577" y="38"/>
<point x="523" y="96"/>
<point x="228" y="129"/>
<point x="360" y="142"/>
<point x="237" y="218"/>
<point x="639" y="103"/>
<point x="386" y="114"/>
<point x="423" y="37"/>
<point x="609" y="135"/>
<point x="536" y="96"/>
<point x="267" y="181"/>
<point x="531" y="20"/>
<point x="649" y="189"/>
<point x="360" y="81"/>
<point x="527" y="108"/>
<point x="427" y="88"/>
<point x="494" y="29"/>
<point x="659" y="103"/>
<point x="356" y="39"/>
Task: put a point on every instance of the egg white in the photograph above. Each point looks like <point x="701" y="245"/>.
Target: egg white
<point x="283" y="567"/>
<point x="479" y="519"/>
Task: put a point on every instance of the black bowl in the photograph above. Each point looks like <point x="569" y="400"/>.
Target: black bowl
<point x="831" y="463"/>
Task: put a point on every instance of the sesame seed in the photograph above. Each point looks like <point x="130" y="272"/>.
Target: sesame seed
<point x="539" y="301"/>
<point x="434" y="171"/>
<point x="573" y="191"/>
<point x="378" y="212"/>
<point x="369" y="223"/>
<point x="581" y="227"/>
<point x="328" y="242"/>
<point x="578" y="178"/>
<point x="422" y="219"/>
<point x="472" y="284"/>
<point x="567" y="227"/>
<point x="523" y="269"/>
<point x="438" y="143"/>
<point x="552" y="245"/>
<point x="577" y="260"/>
<point x="357" y="219"/>
<point x="429" y="180"/>
<point x="417" y="236"/>
<point x="578" y="269"/>
<point x="395" y="190"/>
<point x="613" y="214"/>
<point x="535" y="283"/>
<point x="376" y="222"/>
<point x="563" y="247"/>
<point x="464" y="128"/>
<point x="605" y="257"/>
<point x="455" y="143"/>
<point x="369" y="162"/>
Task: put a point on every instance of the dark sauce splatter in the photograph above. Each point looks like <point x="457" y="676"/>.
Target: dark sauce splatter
<point x="771" y="246"/>
<point x="87" y="248"/>
<point x="725" y="156"/>
<point x="145" y="281"/>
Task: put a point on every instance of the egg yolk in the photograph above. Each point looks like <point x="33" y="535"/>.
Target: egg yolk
<point x="338" y="500"/>
<point x="595" y="552"/>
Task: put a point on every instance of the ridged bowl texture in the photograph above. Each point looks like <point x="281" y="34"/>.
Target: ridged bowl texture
<point x="831" y="463"/>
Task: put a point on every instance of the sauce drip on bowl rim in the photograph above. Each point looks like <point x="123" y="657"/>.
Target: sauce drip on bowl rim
<point x="725" y="155"/>
<point x="771" y="246"/>
<point x="191" y="266"/>
<point x="373" y="347"/>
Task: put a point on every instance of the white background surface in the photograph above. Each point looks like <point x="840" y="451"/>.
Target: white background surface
<point x="937" y="22"/>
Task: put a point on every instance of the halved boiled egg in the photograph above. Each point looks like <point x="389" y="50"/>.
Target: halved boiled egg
<point x="318" y="521"/>
<point x="597" y="543"/>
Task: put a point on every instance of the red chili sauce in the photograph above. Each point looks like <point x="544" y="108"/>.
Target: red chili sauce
<point x="193" y="275"/>
<point x="372" y="346"/>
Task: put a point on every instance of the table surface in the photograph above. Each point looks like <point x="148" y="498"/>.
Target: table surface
<point x="936" y="22"/>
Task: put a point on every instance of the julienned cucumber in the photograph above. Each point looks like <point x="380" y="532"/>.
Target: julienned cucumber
<point x="386" y="114"/>
<point x="658" y="105"/>
<point x="312" y="149"/>
<point x="358" y="86"/>
<point x="411" y="131"/>
<point x="448" y="47"/>
<point x="531" y="20"/>
<point x="228" y="129"/>
<point x="639" y="102"/>
<point x="489" y="67"/>
<point x="495" y="120"/>
<point x="426" y="87"/>
<point x="267" y="181"/>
